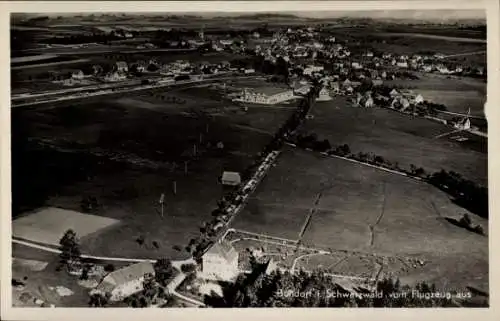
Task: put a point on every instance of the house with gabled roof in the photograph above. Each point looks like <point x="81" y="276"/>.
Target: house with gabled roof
<point x="220" y="262"/>
<point x="124" y="282"/>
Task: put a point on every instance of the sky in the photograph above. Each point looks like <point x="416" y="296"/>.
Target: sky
<point x="380" y="14"/>
<point x="398" y="14"/>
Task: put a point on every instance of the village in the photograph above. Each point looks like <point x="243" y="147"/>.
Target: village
<point x="291" y="68"/>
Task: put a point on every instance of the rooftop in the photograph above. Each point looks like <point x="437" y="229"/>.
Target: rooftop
<point x="129" y="273"/>
<point x="231" y="176"/>
<point x="224" y="250"/>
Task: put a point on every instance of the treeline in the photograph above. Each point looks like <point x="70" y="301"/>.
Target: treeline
<point x="465" y="193"/>
<point x="317" y="289"/>
<point x="209" y="230"/>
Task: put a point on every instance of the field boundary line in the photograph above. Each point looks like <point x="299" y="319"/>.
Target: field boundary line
<point x="309" y="217"/>
<point x="372" y="226"/>
<point x="265" y="236"/>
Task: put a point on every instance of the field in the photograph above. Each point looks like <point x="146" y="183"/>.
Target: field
<point x="399" y="138"/>
<point x="457" y="94"/>
<point x="48" y="225"/>
<point x="365" y="210"/>
<point x="126" y="152"/>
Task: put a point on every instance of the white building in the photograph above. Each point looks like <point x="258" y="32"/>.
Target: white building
<point x="231" y="178"/>
<point x="220" y="262"/>
<point x="427" y="68"/>
<point x="309" y="70"/>
<point x="114" y="76"/>
<point x="121" y="66"/>
<point x="125" y="282"/>
<point x="77" y="75"/>
<point x="324" y="95"/>
<point x="267" y="96"/>
<point x="418" y="99"/>
<point x="356" y="65"/>
<point x="402" y="64"/>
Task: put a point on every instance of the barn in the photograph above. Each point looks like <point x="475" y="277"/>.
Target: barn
<point x="231" y="178"/>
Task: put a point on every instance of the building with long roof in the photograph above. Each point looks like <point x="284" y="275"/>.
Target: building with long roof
<point x="124" y="282"/>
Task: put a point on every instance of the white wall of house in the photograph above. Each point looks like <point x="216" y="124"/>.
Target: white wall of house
<point x="217" y="268"/>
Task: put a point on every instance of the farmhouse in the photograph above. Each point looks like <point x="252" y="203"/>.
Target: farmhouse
<point x="394" y="93"/>
<point x="324" y="95"/>
<point x="309" y="70"/>
<point x="463" y="124"/>
<point x="78" y="74"/>
<point x="231" y="178"/>
<point x="402" y="64"/>
<point x="122" y="283"/>
<point x="114" y="76"/>
<point x="121" y="66"/>
<point x="220" y="262"/>
<point x="418" y="99"/>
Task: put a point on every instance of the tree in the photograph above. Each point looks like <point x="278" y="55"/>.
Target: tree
<point x="187" y="268"/>
<point x="85" y="272"/>
<point x="98" y="300"/>
<point x="465" y="220"/>
<point x="109" y="268"/>
<point x="378" y="159"/>
<point x="163" y="271"/>
<point x="70" y="249"/>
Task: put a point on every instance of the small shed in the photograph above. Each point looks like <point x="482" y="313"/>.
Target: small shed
<point x="231" y="178"/>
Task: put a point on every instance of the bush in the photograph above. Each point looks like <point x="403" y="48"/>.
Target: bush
<point x="109" y="268"/>
<point x="478" y="229"/>
<point x="187" y="268"/>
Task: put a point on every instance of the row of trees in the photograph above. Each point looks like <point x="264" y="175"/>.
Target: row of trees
<point x="465" y="192"/>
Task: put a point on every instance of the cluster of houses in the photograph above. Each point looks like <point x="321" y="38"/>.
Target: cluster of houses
<point x="121" y="70"/>
<point x="219" y="263"/>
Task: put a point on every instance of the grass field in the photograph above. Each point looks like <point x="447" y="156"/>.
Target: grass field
<point x="48" y="225"/>
<point x="399" y="138"/>
<point x="370" y="211"/>
<point x="457" y="94"/>
<point x="126" y="153"/>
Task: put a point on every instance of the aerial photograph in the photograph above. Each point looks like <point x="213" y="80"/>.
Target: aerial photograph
<point x="253" y="159"/>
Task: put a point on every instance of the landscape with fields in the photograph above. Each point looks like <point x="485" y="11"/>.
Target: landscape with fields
<point x="218" y="160"/>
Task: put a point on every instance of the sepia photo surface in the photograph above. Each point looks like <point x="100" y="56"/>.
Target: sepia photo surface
<point x="302" y="159"/>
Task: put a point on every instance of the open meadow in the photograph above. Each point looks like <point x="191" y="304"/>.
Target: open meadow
<point x="126" y="152"/>
<point x="457" y="94"/>
<point x="399" y="138"/>
<point x="357" y="209"/>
